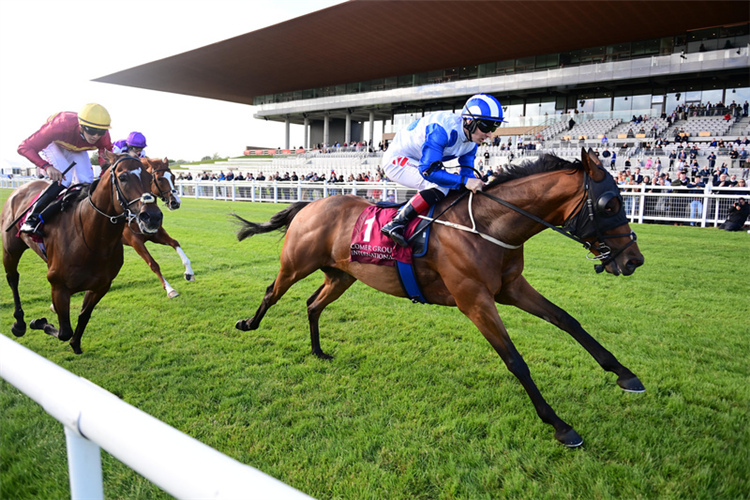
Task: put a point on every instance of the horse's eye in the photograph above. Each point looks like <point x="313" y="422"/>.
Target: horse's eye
<point x="123" y="177"/>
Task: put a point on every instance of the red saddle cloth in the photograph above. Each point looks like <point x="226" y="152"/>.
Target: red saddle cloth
<point x="370" y="246"/>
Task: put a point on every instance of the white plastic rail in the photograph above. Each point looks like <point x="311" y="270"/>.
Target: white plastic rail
<point x="94" y="418"/>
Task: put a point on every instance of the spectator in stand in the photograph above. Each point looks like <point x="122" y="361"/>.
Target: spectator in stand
<point x="737" y="216"/>
<point x="657" y="167"/>
<point x="704" y="174"/>
<point x="672" y="158"/>
<point x="711" y="160"/>
<point x="637" y="177"/>
<point x="696" y="203"/>
<point x="733" y="180"/>
<point x="613" y="161"/>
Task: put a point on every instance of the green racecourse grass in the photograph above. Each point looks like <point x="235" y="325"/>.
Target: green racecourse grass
<point x="415" y="404"/>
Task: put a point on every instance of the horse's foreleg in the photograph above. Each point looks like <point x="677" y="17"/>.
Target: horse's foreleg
<point x="336" y="283"/>
<point x="521" y="294"/>
<point x="90" y="300"/>
<point x="10" y="263"/>
<point x="19" y="326"/>
<point x="163" y="238"/>
<point x="61" y="302"/>
<point x="481" y="310"/>
<point x="140" y="247"/>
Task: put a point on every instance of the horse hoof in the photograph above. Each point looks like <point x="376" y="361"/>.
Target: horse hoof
<point x="241" y="325"/>
<point x="631" y="385"/>
<point x="569" y="438"/>
<point x="173" y="294"/>
<point x="322" y="355"/>
<point x="76" y="349"/>
<point x="38" y="324"/>
<point x="18" y="329"/>
<point x="189" y="277"/>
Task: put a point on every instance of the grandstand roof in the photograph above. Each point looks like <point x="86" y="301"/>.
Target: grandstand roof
<point x="362" y="40"/>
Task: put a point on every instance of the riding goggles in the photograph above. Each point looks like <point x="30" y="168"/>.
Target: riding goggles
<point x="94" y="131"/>
<point x="487" y="126"/>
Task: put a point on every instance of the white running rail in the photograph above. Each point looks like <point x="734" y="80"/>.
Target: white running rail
<point x="94" y="418"/>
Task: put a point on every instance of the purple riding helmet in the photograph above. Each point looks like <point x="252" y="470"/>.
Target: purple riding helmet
<point x="136" y="140"/>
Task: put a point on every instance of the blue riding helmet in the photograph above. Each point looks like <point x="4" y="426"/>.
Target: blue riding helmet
<point x="483" y="107"/>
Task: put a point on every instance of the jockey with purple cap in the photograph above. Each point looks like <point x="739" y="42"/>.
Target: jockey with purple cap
<point x="416" y="155"/>
<point x="133" y="145"/>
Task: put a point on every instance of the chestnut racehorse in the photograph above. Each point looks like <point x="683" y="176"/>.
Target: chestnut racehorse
<point x="83" y="244"/>
<point x="468" y="271"/>
<point x="162" y="186"/>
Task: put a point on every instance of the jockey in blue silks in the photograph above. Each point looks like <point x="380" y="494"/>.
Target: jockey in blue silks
<point x="416" y="155"/>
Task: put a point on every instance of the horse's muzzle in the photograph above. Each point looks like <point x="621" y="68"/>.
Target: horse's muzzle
<point x="149" y="221"/>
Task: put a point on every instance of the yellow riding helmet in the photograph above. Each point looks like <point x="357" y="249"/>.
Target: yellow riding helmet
<point x="94" y="115"/>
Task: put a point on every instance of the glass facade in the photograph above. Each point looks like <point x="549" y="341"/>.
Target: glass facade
<point x="716" y="38"/>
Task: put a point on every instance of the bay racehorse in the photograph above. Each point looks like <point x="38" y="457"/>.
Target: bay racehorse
<point x="465" y="270"/>
<point x="82" y="245"/>
<point x="162" y="186"/>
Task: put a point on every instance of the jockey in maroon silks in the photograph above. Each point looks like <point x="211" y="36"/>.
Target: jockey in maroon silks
<point x="67" y="137"/>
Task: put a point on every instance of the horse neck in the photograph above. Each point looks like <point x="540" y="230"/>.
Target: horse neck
<point x="551" y="196"/>
<point x="98" y="225"/>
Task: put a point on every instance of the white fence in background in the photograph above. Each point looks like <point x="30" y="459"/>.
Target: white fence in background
<point x="93" y="417"/>
<point x="643" y="204"/>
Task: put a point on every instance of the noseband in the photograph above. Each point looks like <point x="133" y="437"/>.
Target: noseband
<point x="588" y="219"/>
<point x="126" y="214"/>
<point x="163" y="195"/>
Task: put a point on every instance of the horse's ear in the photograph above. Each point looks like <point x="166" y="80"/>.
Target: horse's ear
<point x="592" y="165"/>
<point x="111" y="157"/>
<point x="166" y="161"/>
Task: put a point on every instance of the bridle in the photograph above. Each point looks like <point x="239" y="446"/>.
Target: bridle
<point x="163" y="195"/>
<point x="588" y="219"/>
<point x="126" y="214"/>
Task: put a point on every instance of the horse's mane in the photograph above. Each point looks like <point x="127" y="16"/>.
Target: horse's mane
<point x="545" y="163"/>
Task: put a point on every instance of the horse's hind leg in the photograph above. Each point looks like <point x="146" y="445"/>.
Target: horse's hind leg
<point x="10" y="262"/>
<point x="336" y="283"/>
<point x="521" y="294"/>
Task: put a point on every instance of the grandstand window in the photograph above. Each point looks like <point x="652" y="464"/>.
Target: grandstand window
<point x="618" y="51"/>
<point x="548" y="61"/>
<point x="641" y="102"/>
<point x="421" y="79"/>
<point x="352" y="88"/>
<point x="450" y="74"/>
<point x="505" y="67"/>
<point x="525" y="64"/>
<point x="390" y="83"/>
<point x="308" y="94"/>
<point x="434" y="76"/>
<point x="486" y="70"/>
<point x="470" y="71"/>
<point x="593" y="55"/>
<point x="666" y="46"/>
<point x="645" y="48"/>
<point x="622" y="104"/>
<point x="406" y="80"/>
<point x="602" y="104"/>
<point x="713" y="96"/>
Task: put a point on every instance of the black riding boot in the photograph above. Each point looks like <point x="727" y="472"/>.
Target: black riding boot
<point x="34" y="221"/>
<point x="395" y="228"/>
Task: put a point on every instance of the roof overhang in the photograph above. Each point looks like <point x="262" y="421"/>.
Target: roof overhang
<point x="362" y="40"/>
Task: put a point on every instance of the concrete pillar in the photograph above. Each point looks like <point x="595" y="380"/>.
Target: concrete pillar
<point x="372" y="126"/>
<point x="306" y="141"/>
<point x="286" y="133"/>
<point x="325" y="130"/>
<point x="348" y="128"/>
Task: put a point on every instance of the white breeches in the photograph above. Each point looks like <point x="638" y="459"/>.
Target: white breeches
<point x="62" y="158"/>
<point x="405" y="171"/>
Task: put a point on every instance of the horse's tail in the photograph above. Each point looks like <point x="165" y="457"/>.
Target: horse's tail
<point x="281" y="220"/>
